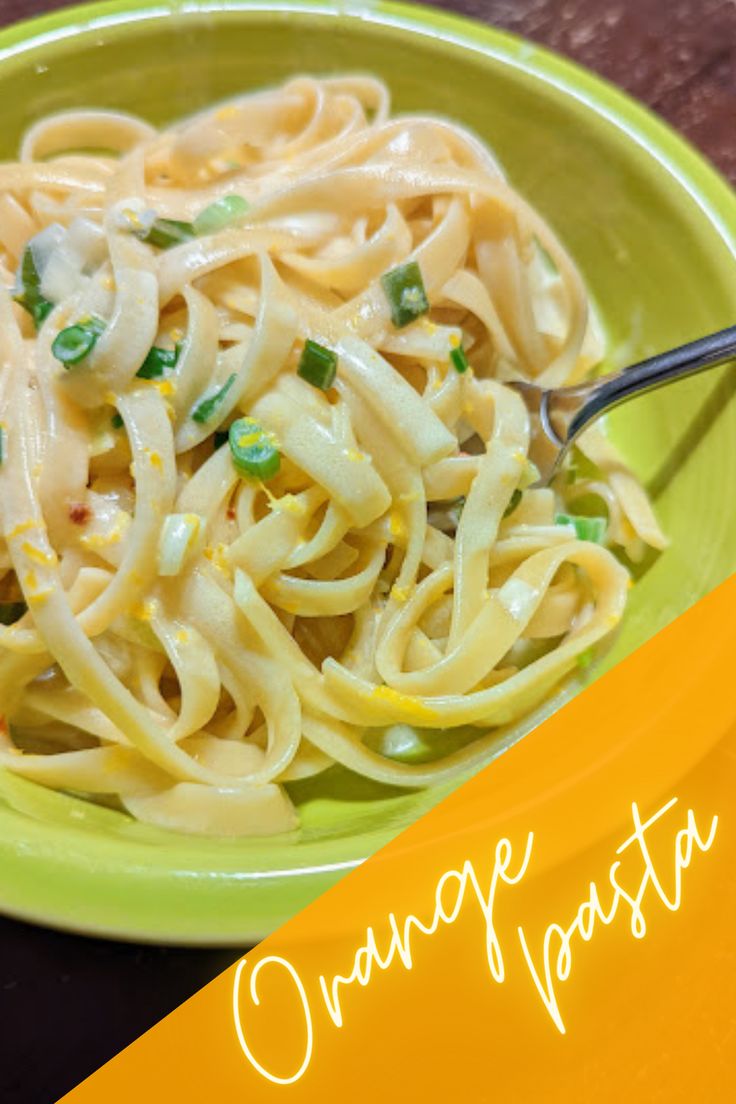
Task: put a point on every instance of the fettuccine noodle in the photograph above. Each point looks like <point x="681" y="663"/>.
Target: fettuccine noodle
<point x="378" y="583"/>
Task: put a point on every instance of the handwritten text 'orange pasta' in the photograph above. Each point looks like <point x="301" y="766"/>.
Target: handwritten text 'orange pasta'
<point x="549" y="963"/>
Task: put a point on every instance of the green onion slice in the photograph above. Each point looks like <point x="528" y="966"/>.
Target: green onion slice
<point x="74" y="343"/>
<point x="28" y="289"/>
<point x="445" y="516"/>
<point x="179" y="535"/>
<point x="157" y="361"/>
<point x="530" y="475"/>
<point x="404" y="744"/>
<point x="205" y="409"/>
<point x="42" y="308"/>
<point x="514" y="502"/>
<point x="165" y="233"/>
<point x="586" y="528"/>
<point x="220" y="214"/>
<point x="404" y="289"/>
<point x="253" y="450"/>
<point x="407" y="744"/>
<point x="117" y="422"/>
<point x="586" y="658"/>
<point x="459" y="360"/>
<point x="318" y="365"/>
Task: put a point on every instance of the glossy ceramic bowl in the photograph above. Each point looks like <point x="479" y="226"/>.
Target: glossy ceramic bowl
<point x="653" y="229"/>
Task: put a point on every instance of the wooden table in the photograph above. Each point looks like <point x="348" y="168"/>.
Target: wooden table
<point x="67" y="1004"/>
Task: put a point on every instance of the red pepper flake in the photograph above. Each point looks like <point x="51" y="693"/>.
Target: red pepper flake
<point x="79" y="513"/>
<point x="231" y="513"/>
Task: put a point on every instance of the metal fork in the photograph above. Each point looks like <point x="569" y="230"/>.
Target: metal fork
<point x="561" y="414"/>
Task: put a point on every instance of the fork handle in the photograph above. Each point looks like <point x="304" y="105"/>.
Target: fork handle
<point x="577" y="407"/>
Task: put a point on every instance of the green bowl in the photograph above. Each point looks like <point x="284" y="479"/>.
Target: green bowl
<point x="653" y="229"/>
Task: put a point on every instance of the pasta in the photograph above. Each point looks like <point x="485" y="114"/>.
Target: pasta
<point x="267" y="497"/>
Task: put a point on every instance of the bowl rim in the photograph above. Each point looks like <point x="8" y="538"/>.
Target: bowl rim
<point x="640" y="123"/>
<point x="37" y="900"/>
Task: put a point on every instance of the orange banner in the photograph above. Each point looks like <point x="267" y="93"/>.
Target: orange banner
<point x="561" y="928"/>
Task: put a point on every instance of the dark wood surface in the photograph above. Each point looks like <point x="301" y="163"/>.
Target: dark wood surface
<point x="677" y="56"/>
<point x="67" y="1004"/>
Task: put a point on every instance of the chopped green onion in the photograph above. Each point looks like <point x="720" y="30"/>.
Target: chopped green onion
<point x="42" y="308"/>
<point x="318" y="365"/>
<point x="456" y="509"/>
<point x="165" y="233"/>
<point x="93" y="323"/>
<point x="220" y="214"/>
<point x="29" y="294"/>
<point x="205" y="409"/>
<point x="459" y="359"/>
<point x="404" y="289"/>
<point x="530" y="475"/>
<point x="29" y="274"/>
<point x="220" y="437"/>
<point x="179" y="534"/>
<point x="10" y="612"/>
<point x="253" y="450"/>
<point x="585" y="659"/>
<point x="445" y="516"/>
<point x="546" y="258"/>
<point x="586" y="528"/>
<point x="74" y="343"/>
<point x="117" y="422"/>
<point x="404" y="744"/>
<point x="157" y="361"/>
<point x="515" y="500"/>
<point x="407" y="744"/>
